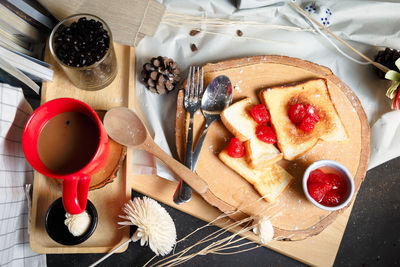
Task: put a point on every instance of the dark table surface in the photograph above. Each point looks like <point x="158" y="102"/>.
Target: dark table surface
<point x="372" y="236"/>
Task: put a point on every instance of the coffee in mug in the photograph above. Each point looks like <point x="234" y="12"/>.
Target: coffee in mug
<point x="68" y="142"/>
<point x="65" y="139"/>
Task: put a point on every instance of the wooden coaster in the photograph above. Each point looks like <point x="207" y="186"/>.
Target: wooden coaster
<point x="109" y="172"/>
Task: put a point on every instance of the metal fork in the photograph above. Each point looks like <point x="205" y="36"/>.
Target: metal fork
<point x="192" y="103"/>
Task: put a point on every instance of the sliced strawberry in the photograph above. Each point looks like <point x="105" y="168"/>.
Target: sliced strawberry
<point x="296" y="113"/>
<point x="312" y="111"/>
<point x="338" y="183"/>
<point x="331" y="198"/>
<point x="308" y="124"/>
<point x="235" y="148"/>
<point x="318" y="176"/>
<point x="260" y="114"/>
<point x="305" y="116"/>
<point x="317" y="190"/>
<point x="336" y="180"/>
<point x="315" y="117"/>
<point x="266" y="134"/>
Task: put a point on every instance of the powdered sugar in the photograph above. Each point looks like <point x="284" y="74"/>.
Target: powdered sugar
<point x="237" y="88"/>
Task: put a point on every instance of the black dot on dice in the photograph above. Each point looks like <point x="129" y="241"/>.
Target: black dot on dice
<point x="82" y="43"/>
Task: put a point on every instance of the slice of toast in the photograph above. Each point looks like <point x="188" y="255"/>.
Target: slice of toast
<point x="238" y="121"/>
<point x="270" y="181"/>
<point x="292" y="141"/>
<point x="260" y="154"/>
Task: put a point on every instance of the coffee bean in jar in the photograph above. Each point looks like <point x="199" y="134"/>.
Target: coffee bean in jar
<point x="82" y="44"/>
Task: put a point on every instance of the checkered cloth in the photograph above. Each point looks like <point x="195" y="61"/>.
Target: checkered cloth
<point x="15" y="174"/>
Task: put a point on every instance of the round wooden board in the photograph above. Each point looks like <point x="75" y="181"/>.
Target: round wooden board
<point x="295" y="218"/>
<point x="109" y="172"/>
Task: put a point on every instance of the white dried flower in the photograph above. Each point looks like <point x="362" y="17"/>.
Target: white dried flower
<point x="77" y="224"/>
<point x="264" y="229"/>
<point x="155" y="225"/>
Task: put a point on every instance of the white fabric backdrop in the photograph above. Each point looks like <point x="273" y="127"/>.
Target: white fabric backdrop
<point x="366" y="25"/>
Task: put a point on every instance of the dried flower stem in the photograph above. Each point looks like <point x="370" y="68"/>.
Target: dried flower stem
<point x="212" y="24"/>
<point x="222" y="245"/>
<point x="211" y="236"/>
<point x="178" y="18"/>
<point x="227" y="35"/>
<point x="216" y="247"/>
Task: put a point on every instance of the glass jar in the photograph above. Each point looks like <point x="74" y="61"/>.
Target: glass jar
<point x="98" y="74"/>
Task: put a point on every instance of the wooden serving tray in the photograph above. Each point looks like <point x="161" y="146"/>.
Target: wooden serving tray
<point x="295" y="218"/>
<point x="317" y="250"/>
<point x="109" y="199"/>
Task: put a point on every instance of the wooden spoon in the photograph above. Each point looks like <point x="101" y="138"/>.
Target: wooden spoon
<point x="125" y="127"/>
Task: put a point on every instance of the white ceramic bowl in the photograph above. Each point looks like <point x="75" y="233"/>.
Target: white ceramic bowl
<point x="342" y="169"/>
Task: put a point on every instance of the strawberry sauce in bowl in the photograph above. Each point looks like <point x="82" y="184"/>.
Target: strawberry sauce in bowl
<point x="328" y="185"/>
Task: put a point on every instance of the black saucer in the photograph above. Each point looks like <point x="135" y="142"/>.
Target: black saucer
<point x="58" y="231"/>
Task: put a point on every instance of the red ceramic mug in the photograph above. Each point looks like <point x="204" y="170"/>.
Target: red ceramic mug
<point x="65" y="139"/>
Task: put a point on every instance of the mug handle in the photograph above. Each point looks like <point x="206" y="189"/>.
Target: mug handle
<point x="75" y="192"/>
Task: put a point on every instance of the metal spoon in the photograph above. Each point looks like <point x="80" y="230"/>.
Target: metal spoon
<point x="216" y="97"/>
<point x="125" y="127"/>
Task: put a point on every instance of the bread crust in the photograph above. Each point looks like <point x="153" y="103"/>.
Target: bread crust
<point x="259" y="178"/>
<point x="252" y="160"/>
<point x="230" y="125"/>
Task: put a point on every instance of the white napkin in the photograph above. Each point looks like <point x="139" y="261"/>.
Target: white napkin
<point x="15" y="173"/>
<point x="385" y="139"/>
<point x="364" y="24"/>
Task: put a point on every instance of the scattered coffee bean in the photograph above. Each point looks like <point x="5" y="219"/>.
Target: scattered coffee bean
<point x="239" y="33"/>
<point x="193" y="47"/>
<point x="194" y="32"/>
<point x="82" y="43"/>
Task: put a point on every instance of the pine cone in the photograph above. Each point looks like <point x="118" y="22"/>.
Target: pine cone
<point x="387" y="58"/>
<point x="160" y="75"/>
